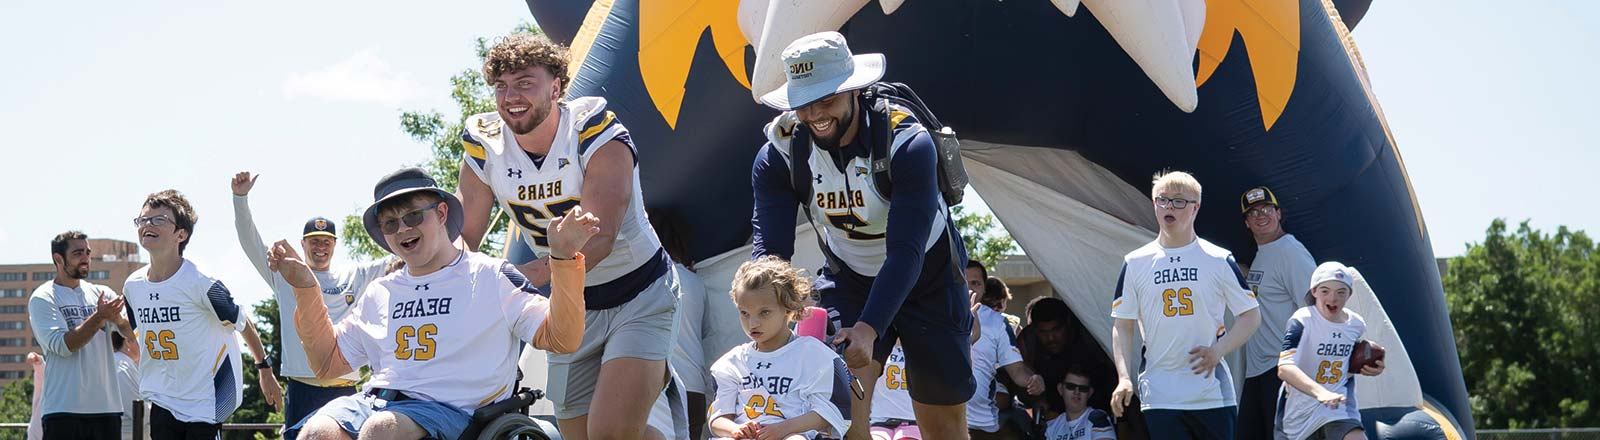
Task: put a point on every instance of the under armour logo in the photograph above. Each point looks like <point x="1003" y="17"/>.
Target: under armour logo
<point x="1338" y="335"/>
<point x="763" y="365"/>
<point x="819" y="179"/>
<point x="513" y="172"/>
<point x="155" y="296"/>
<point x="1174" y="259"/>
<point x="420" y="287"/>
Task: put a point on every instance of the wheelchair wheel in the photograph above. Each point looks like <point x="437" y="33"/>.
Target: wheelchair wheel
<point x="515" y="426"/>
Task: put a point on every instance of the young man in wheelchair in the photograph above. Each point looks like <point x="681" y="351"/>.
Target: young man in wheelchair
<point x="442" y="335"/>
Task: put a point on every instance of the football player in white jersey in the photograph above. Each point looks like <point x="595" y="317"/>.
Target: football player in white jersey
<point x="187" y="321"/>
<point x="1079" y="421"/>
<point x="442" y="336"/>
<point x="777" y="386"/>
<point x="541" y="155"/>
<point x="1173" y="292"/>
<point x="894" y="270"/>
<point x="340" y="288"/>
<point x="1318" y="399"/>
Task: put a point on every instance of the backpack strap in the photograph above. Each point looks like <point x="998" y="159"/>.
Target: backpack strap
<point x="800" y="180"/>
<point x="882" y="138"/>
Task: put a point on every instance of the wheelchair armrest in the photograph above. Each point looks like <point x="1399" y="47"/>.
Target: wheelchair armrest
<point x="515" y="403"/>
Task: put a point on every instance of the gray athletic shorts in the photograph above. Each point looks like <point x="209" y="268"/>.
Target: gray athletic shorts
<point x="640" y="328"/>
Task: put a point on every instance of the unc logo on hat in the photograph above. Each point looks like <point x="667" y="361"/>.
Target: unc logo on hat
<point x="820" y="65"/>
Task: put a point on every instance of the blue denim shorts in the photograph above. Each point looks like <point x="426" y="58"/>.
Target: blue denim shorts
<point x="439" y="420"/>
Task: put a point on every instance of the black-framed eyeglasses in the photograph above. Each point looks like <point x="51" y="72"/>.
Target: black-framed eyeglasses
<point x="154" y="220"/>
<point x="1075" y="387"/>
<point x="411" y="219"/>
<point x="1174" y="203"/>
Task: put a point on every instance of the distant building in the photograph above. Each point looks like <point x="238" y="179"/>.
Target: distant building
<point x="112" y="262"/>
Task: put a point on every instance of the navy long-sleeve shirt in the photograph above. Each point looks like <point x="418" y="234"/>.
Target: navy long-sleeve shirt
<point x="915" y="220"/>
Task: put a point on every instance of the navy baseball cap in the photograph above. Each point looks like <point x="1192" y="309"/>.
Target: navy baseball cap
<point x="319" y="226"/>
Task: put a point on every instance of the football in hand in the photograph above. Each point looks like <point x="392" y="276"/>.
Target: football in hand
<point x="1365" y="353"/>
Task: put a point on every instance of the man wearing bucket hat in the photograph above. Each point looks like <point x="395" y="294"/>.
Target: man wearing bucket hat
<point x="540" y="155"/>
<point x="448" y="312"/>
<point x="1281" y="267"/>
<point x="340" y="288"/>
<point x="892" y="274"/>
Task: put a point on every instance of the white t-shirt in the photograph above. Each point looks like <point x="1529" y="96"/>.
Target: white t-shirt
<point x="187" y="326"/>
<point x="993" y="351"/>
<point x="1091" y="425"/>
<point x="1320" y="348"/>
<point x="770" y="387"/>
<point x="1279" y="277"/>
<point x="128" y="388"/>
<point x="451" y="336"/>
<point x="891" y="398"/>
<point x="1178" y="296"/>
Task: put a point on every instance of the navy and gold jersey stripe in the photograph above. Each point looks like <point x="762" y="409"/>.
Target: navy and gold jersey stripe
<point x="472" y="148"/>
<point x="592" y="129"/>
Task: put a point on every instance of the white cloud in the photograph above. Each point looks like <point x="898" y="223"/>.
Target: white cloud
<point x="363" y="77"/>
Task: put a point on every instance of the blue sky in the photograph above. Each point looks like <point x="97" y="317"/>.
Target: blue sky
<point x="104" y="104"/>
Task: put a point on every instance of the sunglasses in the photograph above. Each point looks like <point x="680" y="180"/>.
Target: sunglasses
<point x="411" y="219"/>
<point x="154" y="220"/>
<point x="1174" y="203"/>
<point x="1075" y="387"/>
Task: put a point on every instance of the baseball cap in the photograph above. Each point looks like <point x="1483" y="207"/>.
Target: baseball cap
<point x="1333" y="271"/>
<point x="319" y="226"/>
<point x="1256" y="195"/>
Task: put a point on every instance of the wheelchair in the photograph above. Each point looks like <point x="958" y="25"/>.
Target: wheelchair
<point x="509" y="419"/>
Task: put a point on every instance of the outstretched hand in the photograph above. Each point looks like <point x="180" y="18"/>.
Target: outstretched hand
<point x="568" y="233"/>
<point x="242" y="183"/>
<point x="285" y="261"/>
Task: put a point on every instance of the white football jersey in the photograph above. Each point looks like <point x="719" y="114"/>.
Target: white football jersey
<point x="846" y="202"/>
<point x="1320" y="348"/>
<point x="1178" y="296"/>
<point x="993" y="351"/>
<point x="451" y="336"/>
<point x="891" y="398"/>
<point x="533" y="192"/>
<point x="186" y="325"/>
<point x="770" y="387"/>
<point x="1091" y="425"/>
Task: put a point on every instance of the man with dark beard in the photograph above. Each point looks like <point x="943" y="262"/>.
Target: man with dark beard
<point x="73" y="320"/>
<point x="892" y="274"/>
<point x="542" y="156"/>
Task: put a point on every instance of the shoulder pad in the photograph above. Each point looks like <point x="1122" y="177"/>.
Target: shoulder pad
<point x="780" y="130"/>
<point x="587" y="111"/>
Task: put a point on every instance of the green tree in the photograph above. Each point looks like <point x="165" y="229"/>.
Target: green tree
<point x="16" y="406"/>
<point x="1522" y="307"/>
<point x="986" y="239"/>
<point x="254" y="409"/>
<point x="442" y="134"/>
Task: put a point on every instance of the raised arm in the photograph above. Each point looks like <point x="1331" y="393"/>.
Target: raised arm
<point x="562" y="330"/>
<point x="317" y="334"/>
<point x="245" y="225"/>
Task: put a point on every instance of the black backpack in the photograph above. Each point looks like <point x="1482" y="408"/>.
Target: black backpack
<point x="952" y="176"/>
